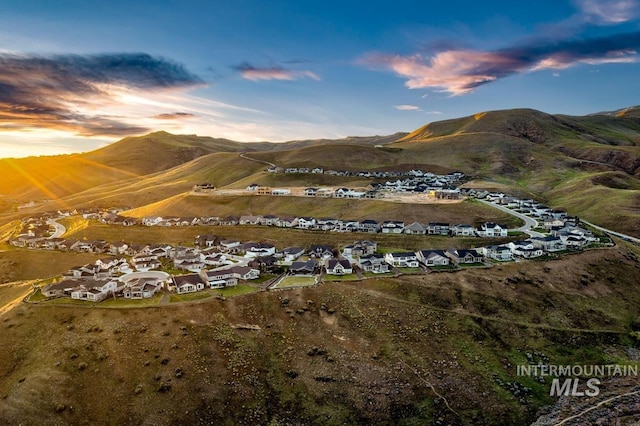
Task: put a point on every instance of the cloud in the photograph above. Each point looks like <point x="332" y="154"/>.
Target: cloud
<point x="174" y="116"/>
<point x="73" y="92"/>
<point x="249" y="72"/>
<point x="462" y="71"/>
<point x="407" y="107"/>
<point x="606" y="12"/>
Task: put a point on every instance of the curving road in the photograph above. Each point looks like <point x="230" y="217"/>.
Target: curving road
<point x="243" y="155"/>
<point x="529" y="223"/>
<point x="614" y="233"/>
<point x="60" y="229"/>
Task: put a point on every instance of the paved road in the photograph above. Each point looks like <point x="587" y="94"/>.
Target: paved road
<point x="529" y="223"/>
<point x="614" y="233"/>
<point x="60" y="229"/>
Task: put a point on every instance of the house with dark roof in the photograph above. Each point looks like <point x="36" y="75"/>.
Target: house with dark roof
<point x="463" y="256"/>
<point x="303" y="267"/>
<point x="188" y="283"/>
<point x="433" y="257"/>
<point x="338" y="267"/>
<point x="375" y="263"/>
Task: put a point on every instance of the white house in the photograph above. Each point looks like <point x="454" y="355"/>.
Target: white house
<point x="338" y="267"/>
<point x="490" y="229"/>
<point x="433" y="257"/>
<point x="402" y="260"/>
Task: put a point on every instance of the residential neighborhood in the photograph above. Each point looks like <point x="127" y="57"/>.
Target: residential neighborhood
<point x="141" y="271"/>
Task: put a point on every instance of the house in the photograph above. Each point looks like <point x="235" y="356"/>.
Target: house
<point x="326" y="224"/>
<point x="280" y="191"/>
<point x="230" y="246"/>
<point x="290" y="254"/>
<point x="249" y="220"/>
<point x="500" y="253"/>
<point x="438" y="228"/>
<point x="220" y="278"/>
<point x="416" y="228"/>
<point x="152" y="220"/>
<point x="463" y="230"/>
<point x="320" y="251"/>
<point x="338" y="267"/>
<point x="117" y="248"/>
<point x="303" y="267"/>
<point x="311" y="192"/>
<point x="403" y="260"/>
<point x="62" y="288"/>
<point x="525" y="249"/>
<point x="549" y="244"/>
<point x="94" y="291"/>
<point x="253" y="187"/>
<point x="306" y="222"/>
<point x="141" y="288"/>
<point x="145" y="262"/>
<point x="360" y="248"/>
<point x="369" y="226"/>
<point x="460" y="256"/>
<point x="348" y="193"/>
<point x="375" y="263"/>
<point x="347" y="225"/>
<point x="188" y="283"/>
<point x="287" y="222"/>
<point x="245" y="272"/>
<point x="268" y="220"/>
<point x="433" y="257"/>
<point x="392" y="227"/>
<point x="257" y="249"/>
<point x="214" y="259"/>
<point x="265" y="264"/>
<point x="490" y="229"/>
<point x="206" y="240"/>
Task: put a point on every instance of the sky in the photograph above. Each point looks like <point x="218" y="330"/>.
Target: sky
<point x="78" y="75"/>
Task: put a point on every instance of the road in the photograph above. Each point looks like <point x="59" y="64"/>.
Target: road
<point x="60" y="229"/>
<point x="614" y="233"/>
<point x="256" y="160"/>
<point x="529" y="223"/>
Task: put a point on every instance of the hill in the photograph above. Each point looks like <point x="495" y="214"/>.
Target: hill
<point x="423" y="349"/>
<point x="56" y="177"/>
<point x="573" y="163"/>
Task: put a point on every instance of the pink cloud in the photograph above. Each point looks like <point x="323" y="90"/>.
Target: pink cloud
<point x="275" y="73"/>
<point x="461" y="71"/>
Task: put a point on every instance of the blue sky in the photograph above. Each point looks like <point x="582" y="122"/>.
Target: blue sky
<point x="76" y="75"/>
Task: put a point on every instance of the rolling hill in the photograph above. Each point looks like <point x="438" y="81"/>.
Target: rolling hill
<point x="577" y="163"/>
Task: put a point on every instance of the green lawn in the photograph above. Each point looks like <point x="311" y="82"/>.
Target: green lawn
<point x="372" y="274"/>
<point x="190" y="297"/>
<point x="121" y="302"/>
<point x="37" y="296"/>
<point x="347" y="277"/>
<point x="410" y="270"/>
<point x="236" y="290"/>
<point x="442" y="268"/>
<point x="293" y="281"/>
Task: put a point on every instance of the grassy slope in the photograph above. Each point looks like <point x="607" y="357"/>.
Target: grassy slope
<point x="199" y="205"/>
<point x="378" y="354"/>
<point x="281" y="238"/>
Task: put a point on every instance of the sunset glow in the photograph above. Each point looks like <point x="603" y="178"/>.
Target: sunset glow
<point x="69" y="83"/>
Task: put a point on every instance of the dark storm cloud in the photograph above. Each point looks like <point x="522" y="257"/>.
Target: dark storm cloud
<point x="49" y="91"/>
